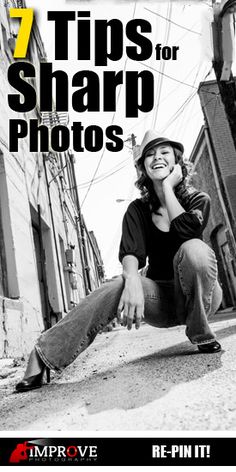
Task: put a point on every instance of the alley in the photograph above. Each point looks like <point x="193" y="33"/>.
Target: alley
<point x="149" y="379"/>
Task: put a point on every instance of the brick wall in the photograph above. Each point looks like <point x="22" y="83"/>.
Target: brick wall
<point x="222" y="140"/>
<point x="205" y="181"/>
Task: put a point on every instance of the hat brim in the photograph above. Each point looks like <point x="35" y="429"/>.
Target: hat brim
<point x="158" y="141"/>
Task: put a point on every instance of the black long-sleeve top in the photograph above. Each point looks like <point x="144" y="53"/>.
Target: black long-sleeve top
<point x="142" y="239"/>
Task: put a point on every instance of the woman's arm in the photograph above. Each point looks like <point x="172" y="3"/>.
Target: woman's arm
<point x="192" y="223"/>
<point x="174" y="208"/>
<point x="132" y="298"/>
<point x="188" y="222"/>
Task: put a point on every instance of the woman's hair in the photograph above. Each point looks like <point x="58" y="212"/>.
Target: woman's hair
<point x="182" y="190"/>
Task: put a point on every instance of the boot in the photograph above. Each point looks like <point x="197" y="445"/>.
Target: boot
<point x="33" y="377"/>
<point x="210" y="348"/>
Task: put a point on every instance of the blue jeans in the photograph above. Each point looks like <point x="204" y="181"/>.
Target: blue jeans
<point x="189" y="299"/>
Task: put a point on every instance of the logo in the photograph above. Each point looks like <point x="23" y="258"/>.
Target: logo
<point x="48" y="451"/>
<point x="20" y="453"/>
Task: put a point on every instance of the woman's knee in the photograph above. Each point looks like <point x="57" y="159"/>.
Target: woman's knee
<point x="196" y="254"/>
<point x="150" y="288"/>
<point x="159" y="303"/>
<point x="110" y="286"/>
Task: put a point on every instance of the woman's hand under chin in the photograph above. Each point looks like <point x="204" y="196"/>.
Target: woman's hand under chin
<point x="174" y="178"/>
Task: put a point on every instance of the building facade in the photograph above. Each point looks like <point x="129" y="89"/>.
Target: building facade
<point x="214" y="161"/>
<point x="48" y="258"/>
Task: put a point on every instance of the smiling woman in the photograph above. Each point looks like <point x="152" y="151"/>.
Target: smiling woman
<point x="163" y="227"/>
<point x="166" y="226"/>
<point x="160" y="153"/>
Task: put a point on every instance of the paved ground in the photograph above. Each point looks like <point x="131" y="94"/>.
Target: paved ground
<point x="149" y="379"/>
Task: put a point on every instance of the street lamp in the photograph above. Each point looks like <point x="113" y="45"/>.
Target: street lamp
<point x="120" y="200"/>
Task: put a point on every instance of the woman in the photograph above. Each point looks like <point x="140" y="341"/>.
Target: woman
<point x="181" y="286"/>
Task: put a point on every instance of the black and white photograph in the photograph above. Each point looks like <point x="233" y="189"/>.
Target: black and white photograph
<point x="117" y="227"/>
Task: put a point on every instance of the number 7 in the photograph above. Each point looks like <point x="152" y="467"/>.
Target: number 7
<point x="22" y="42"/>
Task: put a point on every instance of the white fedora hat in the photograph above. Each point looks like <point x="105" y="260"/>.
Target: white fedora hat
<point x="151" y="139"/>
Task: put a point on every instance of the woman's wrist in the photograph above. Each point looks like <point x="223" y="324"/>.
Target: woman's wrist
<point x="166" y="185"/>
<point x="130" y="275"/>
<point x="174" y="208"/>
<point x="130" y="267"/>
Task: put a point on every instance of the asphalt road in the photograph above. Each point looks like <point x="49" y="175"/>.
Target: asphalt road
<point x="147" y="379"/>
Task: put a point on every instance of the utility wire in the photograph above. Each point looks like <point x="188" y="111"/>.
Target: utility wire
<point x="189" y="113"/>
<point x="173" y="22"/>
<point x="162" y="101"/>
<point x="178" y="112"/>
<point x="181" y="121"/>
<point x="105" y="174"/>
<point x="183" y="106"/>
<point x="216" y="97"/>
<point x="186" y="117"/>
<point x="153" y="61"/>
<point x="166" y="40"/>
<point x="82" y="184"/>
<point x="176" y="80"/>
<point x="180" y="38"/>
<point x="104" y="178"/>
<point x="103" y="152"/>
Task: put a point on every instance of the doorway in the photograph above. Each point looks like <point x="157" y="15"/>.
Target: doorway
<point x="39" y="262"/>
<point x="226" y="265"/>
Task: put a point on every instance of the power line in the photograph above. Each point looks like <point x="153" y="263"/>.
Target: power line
<point x="183" y="106"/>
<point x="99" y="179"/>
<point x="82" y="184"/>
<point x="176" y="80"/>
<point x="103" y="152"/>
<point x="180" y="38"/>
<point x="166" y="40"/>
<point x="163" y="100"/>
<point x="159" y="76"/>
<point x="173" y="22"/>
<point x="167" y="96"/>
<point x="216" y="97"/>
<point x="191" y="111"/>
<point x="181" y="121"/>
<point x="178" y="112"/>
<point x="186" y="116"/>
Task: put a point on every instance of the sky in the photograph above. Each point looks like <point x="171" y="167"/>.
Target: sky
<point x="176" y="113"/>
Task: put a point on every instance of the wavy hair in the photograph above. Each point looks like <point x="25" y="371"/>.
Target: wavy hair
<point x="182" y="190"/>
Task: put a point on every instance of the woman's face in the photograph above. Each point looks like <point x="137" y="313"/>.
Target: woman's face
<point x="159" y="161"/>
